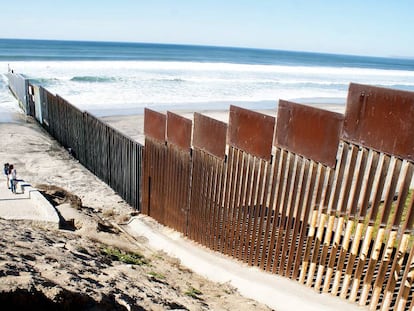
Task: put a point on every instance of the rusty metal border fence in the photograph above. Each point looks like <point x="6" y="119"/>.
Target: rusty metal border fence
<point x="318" y="197"/>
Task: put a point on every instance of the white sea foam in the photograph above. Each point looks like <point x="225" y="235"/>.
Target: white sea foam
<point x="112" y="85"/>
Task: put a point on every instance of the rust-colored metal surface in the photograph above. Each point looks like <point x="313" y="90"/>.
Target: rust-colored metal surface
<point x="381" y="119"/>
<point x="153" y="179"/>
<point x="301" y="215"/>
<point x="179" y="131"/>
<point x="154" y="124"/>
<point x="210" y="135"/>
<point x="206" y="190"/>
<point x="308" y="131"/>
<point x="251" y="131"/>
<point x="177" y="188"/>
<point x="346" y="229"/>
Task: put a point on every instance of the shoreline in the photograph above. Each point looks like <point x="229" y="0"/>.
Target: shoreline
<point x="337" y="105"/>
<point x="7" y="116"/>
<point x="133" y="125"/>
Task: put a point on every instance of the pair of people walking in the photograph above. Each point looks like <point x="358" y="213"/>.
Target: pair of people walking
<point x="11" y="176"/>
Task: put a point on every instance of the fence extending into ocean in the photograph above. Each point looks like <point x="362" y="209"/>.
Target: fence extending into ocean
<point x="112" y="156"/>
<point x="315" y="196"/>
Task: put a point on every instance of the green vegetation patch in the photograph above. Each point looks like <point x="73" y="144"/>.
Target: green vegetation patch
<point x="125" y="257"/>
<point x="156" y="275"/>
<point x="193" y="293"/>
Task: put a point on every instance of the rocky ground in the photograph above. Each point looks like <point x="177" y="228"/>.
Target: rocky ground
<point x="62" y="270"/>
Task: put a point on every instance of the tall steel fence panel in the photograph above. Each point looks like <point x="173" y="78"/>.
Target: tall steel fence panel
<point x="177" y="176"/>
<point x="306" y="144"/>
<point x="208" y="177"/>
<point x="154" y="163"/>
<point x="248" y="177"/>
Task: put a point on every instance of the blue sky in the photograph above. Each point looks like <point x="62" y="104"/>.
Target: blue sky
<point x="378" y="28"/>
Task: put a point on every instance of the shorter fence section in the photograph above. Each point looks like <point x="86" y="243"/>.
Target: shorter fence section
<point x="109" y="154"/>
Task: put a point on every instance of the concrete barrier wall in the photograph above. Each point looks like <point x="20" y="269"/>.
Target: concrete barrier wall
<point x="47" y="211"/>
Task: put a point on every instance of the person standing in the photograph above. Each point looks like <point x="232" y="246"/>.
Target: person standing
<point x="13" y="178"/>
<point x="6" y="171"/>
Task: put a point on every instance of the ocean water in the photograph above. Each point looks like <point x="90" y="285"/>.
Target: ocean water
<point x="110" y="78"/>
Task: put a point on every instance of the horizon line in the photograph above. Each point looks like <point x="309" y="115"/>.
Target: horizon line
<point x="208" y="45"/>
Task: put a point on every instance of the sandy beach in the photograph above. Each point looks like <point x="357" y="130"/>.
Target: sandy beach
<point x="64" y="264"/>
<point x="133" y="125"/>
